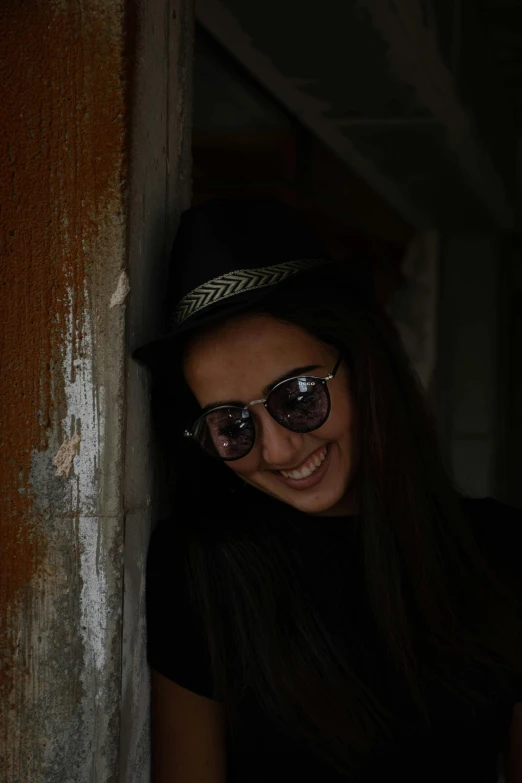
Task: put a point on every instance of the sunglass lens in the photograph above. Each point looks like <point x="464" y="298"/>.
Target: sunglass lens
<point x="301" y="405"/>
<point x="227" y="433"/>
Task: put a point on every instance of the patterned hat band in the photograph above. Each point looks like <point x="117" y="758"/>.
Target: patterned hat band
<point x="238" y="282"/>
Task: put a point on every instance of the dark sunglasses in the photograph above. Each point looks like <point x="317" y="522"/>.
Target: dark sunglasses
<point x="300" y="404"/>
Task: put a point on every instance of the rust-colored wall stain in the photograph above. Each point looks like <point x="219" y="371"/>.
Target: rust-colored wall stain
<point x="61" y="136"/>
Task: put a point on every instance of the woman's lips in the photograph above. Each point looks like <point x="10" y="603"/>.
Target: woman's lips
<point x="314" y="478"/>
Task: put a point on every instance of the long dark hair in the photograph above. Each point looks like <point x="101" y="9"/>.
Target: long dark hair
<point x="441" y="613"/>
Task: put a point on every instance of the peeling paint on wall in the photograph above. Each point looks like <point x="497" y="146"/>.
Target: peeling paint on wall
<point x="65" y="152"/>
<point x="85" y="413"/>
<point x="62" y="248"/>
<point x="93" y="594"/>
<point x="66" y="453"/>
<point x="122" y="290"/>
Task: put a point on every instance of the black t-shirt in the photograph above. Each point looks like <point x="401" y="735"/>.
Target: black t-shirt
<point x="461" y="746"/>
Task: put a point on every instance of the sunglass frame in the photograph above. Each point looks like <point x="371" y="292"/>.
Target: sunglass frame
<point x="323" y="381"/>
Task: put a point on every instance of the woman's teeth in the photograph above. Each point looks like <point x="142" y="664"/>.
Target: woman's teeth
<point x="307" y="469"/>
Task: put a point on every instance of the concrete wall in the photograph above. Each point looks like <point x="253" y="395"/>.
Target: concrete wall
<point x="160" y="187"/>
<point x="91" y="101"/>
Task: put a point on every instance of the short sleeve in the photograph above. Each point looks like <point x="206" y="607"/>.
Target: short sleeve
<point x="176" y="642"/>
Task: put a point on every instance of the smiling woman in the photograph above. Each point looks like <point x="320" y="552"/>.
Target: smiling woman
<point x="324" y="602"/>
<point x="303" y="420"/>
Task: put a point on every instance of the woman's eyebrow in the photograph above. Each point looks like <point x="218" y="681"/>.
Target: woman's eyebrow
<point x="290" y="374"/>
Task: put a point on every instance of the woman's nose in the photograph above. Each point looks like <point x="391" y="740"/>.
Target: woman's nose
<point x="279" y="445"/>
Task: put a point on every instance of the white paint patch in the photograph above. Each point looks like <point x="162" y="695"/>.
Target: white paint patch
<point x="86" y="414"/>
<point x="121" y="292"/>
<point x="65" y="456"/>
<point x="94" y="594"/>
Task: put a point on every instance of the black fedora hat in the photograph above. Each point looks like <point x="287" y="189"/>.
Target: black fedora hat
<point x="230" y="253"/>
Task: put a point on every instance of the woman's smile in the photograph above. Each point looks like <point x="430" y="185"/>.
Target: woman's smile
<point x="309" y="473"/>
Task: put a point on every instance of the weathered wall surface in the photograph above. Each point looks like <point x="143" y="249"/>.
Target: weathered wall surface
<point x="67" y="71"/>
<point x="62" y="148"/>
<point x="160" y="184"/>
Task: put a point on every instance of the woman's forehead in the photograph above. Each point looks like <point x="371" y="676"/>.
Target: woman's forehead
<point x="251" y="327"/>
<point x="260" y="348"/>
<point x="259" y="334"/>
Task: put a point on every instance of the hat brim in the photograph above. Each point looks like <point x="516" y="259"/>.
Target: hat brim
<point x="354" y="275"/>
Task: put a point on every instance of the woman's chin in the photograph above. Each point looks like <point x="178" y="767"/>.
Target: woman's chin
<point x="316" y="506"/>
<point x="319" y="503"/>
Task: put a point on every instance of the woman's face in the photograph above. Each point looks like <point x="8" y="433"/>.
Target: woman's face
<point x="236" y="361"/>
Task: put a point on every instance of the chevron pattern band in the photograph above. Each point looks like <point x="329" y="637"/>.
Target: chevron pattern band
<point x="238" y="282"/>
